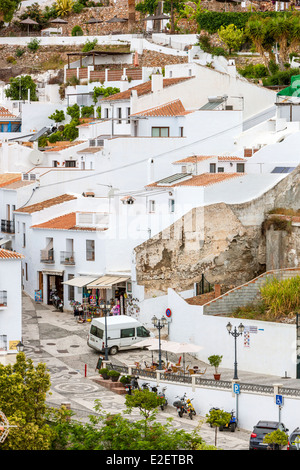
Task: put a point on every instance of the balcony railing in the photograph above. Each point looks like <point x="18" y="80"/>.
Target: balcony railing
<point x="47" y="256"/>
<point x="67" y="257"/>
<point x="7" y="226"/>
<point x="3" y="298"/>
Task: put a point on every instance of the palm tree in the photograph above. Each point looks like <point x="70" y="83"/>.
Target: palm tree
<point x="257" y="32"/>
<point x="280" y="29"/>
<point x="294" y="34"/>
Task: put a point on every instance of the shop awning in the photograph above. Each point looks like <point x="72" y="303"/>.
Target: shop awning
<point x="80" y="281"/>
<point x="105" y="282"/>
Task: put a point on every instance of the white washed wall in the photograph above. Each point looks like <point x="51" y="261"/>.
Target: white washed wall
<point x="272" y="350"/>
<point x="252" y="407"/>
<point x="11" y="316"/>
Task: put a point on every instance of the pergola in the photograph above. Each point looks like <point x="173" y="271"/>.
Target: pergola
<point x="93" y="54"/>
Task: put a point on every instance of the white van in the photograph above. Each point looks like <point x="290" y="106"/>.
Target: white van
<point x="122" y="333"/>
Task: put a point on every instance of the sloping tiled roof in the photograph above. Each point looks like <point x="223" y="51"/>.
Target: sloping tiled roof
<point x="64" y="222"/>
<point x="8" y="178"/>
<point x="7" y="254"/>
<point x="193" y="159"/>
<point x="39" y="206"/>
<point x="62" y="145"/>
<point x="173" y="108"/>
<point x="6" y="114"/>
<point x="205" y="179"/>
<point x="199" y="158"/>
<point x="144" y="88"/>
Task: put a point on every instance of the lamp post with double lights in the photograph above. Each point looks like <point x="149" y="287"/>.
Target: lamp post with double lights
<point x="106" y="308"/>
<point x="235" y="333"/>
<point x="159" y="324"/>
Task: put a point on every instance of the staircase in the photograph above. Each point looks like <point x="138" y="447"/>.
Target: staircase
<point x="245" y="294"/>
<point x="116" y="387"/>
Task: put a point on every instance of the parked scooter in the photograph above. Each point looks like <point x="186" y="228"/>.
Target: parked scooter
<point x="134" y="385"/>
<point x="56" y="301"/>
<point x="161" y="395"/>
<point x="190" y="409"/>
<point x="231" y="425"/>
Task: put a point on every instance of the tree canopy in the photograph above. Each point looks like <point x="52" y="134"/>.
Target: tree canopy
<point x="19" y="86"/>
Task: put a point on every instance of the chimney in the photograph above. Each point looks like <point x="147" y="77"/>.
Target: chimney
<point x="156" y="82"/>
<point x="217" y="290"/>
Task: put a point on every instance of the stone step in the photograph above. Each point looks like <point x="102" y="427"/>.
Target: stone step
<point x="116" y="387"/>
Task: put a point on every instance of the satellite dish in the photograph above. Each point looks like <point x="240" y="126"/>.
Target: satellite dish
<point x="36" y="157"/>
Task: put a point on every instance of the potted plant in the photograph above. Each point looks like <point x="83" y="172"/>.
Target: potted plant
<point x="104" y="373"/>
<point x="215" y="361"/>
<point x="114" y="375"/>
<point x="125" y="379"/>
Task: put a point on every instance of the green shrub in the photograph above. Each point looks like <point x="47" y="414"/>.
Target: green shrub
<point x="33" y="45"/>
<point x="77" y="8"/>
<point x="281" y="77"/>
<point x="87" y="111"/>
<point x="254" y="71"/>
<point x="77" y="31"/>
<point x="211" y="21"/>
<point x="20" y="52"/>
<point x="55" y="137"/>
<point x="89" y="45"/>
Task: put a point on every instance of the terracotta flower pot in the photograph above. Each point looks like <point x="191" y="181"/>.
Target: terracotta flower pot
<point x="217" y="376"/>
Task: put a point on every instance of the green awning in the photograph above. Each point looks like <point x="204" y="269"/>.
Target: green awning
<point x="293" y="89"/>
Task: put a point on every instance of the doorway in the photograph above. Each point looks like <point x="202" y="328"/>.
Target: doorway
<point x="54" y="282"/>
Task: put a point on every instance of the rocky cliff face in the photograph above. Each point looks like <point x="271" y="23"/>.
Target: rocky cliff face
<point x="218" y="241"/>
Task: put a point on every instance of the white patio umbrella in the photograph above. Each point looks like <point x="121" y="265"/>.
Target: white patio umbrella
<point x="182" y="348"/>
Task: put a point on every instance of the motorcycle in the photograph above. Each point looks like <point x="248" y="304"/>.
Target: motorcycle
<point x="180" y="405"/>
<point x="190" y="409"/>
<point x="231" y="425"/>
<point x="56" y="301"/>
<point x="161" y="395"/>
<point x="134" y="385"/>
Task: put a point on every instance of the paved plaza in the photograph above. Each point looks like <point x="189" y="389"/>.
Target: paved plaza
<point x="58" y="340"/>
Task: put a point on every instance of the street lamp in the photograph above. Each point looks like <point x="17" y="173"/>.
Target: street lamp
<point x="235" y="333"/>
<point x="159" y="324"/>
<point x="20" y="346"/>
<point x="106" y="308"/>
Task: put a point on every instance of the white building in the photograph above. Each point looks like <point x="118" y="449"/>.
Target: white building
<point x="10" y="301"/>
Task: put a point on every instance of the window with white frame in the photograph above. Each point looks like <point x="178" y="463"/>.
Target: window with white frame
<point x="90" y="250"/>
<point x="119" y="112"/>
<point x="171" y="205"/>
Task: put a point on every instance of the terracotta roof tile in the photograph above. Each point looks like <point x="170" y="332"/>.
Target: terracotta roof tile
<point x="64" y="222"/>
<point x="63" y="145"/>
<point x="39" y="206"/>
<point x="173" y="108"/>
<point x="144" y="88"/>
<point x="205" y="179"/>
<point x="7" y="254"/>
<point x="8" y="178"/>
<point x="199" y="158"/>
<point x="6" y="114"/>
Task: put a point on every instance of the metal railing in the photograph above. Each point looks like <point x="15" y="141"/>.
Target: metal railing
<point x="67" y="257"/>
<point x="47" y="256"/>
<point x="204" y="382"/>
<point x="7" y="226"/>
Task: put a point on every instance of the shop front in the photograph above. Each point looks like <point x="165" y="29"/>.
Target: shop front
<point x="111" y="290"/>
